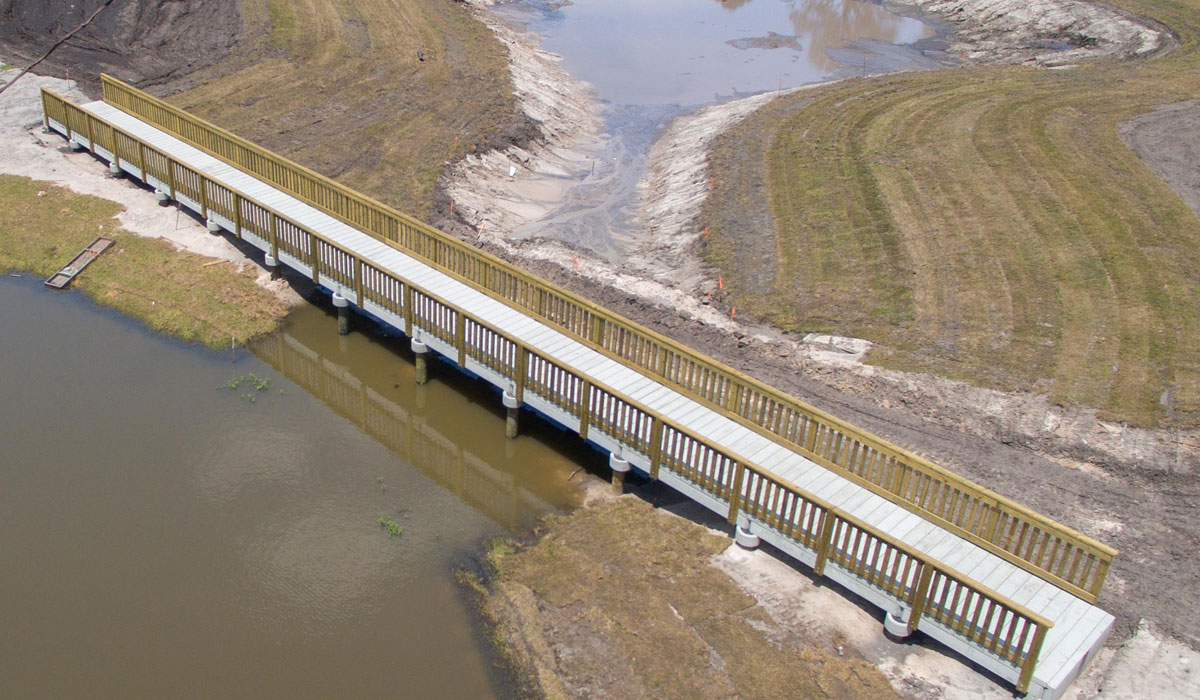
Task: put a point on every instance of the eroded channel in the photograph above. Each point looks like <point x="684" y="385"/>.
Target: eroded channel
<point x="650" y="62"/>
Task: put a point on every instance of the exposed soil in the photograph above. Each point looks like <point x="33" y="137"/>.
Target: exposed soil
<point x="141" y="41"/>
<point x="1168" y="139"/>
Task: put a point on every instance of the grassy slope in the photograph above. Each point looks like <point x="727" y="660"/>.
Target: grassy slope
<point x="337" y="86"/>
<point x="42" y="226"/>
<point x="986" y="224"/>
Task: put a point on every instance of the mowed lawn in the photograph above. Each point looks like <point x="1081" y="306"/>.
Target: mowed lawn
<point x="340" y="86"/>
<point x="982" y="223"/>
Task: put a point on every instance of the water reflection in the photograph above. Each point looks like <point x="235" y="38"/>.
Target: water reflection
<point x="684" y="53"/>
<point x="450" y="437"/>
<point x="824" y="25"/>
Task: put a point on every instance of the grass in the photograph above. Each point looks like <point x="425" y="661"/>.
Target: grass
<point x="621" y="598"/>
<point x="338" y="87"/>
<point x="982" y="223"/>
<point x="43" y="226"/>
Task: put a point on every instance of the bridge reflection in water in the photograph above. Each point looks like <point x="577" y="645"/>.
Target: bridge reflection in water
<point x="434" y="428"/>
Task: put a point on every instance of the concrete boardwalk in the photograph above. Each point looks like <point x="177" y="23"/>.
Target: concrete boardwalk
<point x="1079" y="628"/>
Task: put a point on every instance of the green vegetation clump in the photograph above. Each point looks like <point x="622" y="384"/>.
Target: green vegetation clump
<point x="251" y="380"/>
<point x="42" y="226"/>
<point x="393" y="528"/>
<point x="982" y="223"/>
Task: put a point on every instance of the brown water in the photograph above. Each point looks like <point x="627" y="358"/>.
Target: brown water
<point x="163" y="537"/>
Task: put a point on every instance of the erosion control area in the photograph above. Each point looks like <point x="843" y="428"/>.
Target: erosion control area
<point x="146" y="41"/>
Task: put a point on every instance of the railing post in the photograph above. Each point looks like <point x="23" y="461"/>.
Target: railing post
<point x="1098" y="581"/>
<point x="460" y="335"/>
<point x="408" y="309"/>
<point x="171" y="181"/>
<point x="237" y="212"/>
<point x="585" y="408"/>
<point x="656" y="437"/>
<point x="1031" y="659"/>
<point x="204" y="195"/>
<point x="142" y="161"/>
<point x="314" y="256"/>
<point x="358" y="273"/>
<point x="735" y="496"/>
<point x="273" y="232"/>
<point x="522" y="365"/>
<point x="920" y="595"/>
<point x="597" y="329"/>
<point x="824" y="540"/>
<point x="91" y="134"/>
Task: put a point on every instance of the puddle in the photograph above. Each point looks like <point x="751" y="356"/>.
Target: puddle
<point x="652" y="61"/>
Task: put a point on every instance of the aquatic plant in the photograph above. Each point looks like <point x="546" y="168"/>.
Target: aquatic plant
<point x="393" y="528"/>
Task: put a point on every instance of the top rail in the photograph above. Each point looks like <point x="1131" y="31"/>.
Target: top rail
<point x="1038" y="544"/>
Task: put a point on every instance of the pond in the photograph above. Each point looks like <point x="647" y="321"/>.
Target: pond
<point x="179" y="522"/>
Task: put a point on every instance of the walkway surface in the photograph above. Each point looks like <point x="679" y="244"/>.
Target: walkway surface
<point x="1079" y="628"/>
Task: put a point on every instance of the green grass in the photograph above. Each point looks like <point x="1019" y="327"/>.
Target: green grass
<point x="338" y="87"/>
<point x="43" y="226"/>
<point x="982" y="223"/>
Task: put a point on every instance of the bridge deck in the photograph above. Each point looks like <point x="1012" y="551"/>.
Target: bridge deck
<point x="1079" y="628"/>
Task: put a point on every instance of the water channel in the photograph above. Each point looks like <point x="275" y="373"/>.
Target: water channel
<point x="164" y="535"/>
<point x="652" y="60"/>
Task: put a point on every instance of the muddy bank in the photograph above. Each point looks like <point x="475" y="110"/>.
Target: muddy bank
<point x="143" y="42"/>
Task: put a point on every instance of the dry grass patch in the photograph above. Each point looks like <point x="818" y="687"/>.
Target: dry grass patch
<point x="620" y="600"/>
<point x="985" y="224"/>
<point x="43" y="226"/>
<point x="341" y="88"/>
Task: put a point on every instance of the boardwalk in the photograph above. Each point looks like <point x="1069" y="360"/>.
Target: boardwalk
<point x="1005" y="588"/>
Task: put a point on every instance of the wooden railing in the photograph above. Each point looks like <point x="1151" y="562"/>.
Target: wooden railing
<point x="932" y="592"/>
<point x="1038" y="544"/>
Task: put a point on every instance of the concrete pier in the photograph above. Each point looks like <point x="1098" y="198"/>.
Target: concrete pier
<point x="620" y="467"/>
<point x="277" y="271"/>
<point x="512" y="413"/>
<point x="421" y="350"/>
<point x="742" y="535"/>
<point x="343" y="313"/>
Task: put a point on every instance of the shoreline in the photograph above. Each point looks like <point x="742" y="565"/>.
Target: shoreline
<point x="664" y="271"/>
<point x="44" y="158"/>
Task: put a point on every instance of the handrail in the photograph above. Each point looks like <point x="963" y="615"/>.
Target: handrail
<point x="931" y="591"/>
<point x="1054" y="551"/>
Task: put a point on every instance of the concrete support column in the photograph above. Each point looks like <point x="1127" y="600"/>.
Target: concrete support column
<point x="894" y="626"/>
<point x="76" y="146"/>
<point x="742" y="535"/>
<point x="114" y="169"/>
<point x="343" y="311"/>
<point x="421" y="350"/>
<point x="215" y="228"/>
<point x="164" y="197"/>
<point x="511" y="415"/>
<point x="273" y="267"/>
<point x="620" y="467"/>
